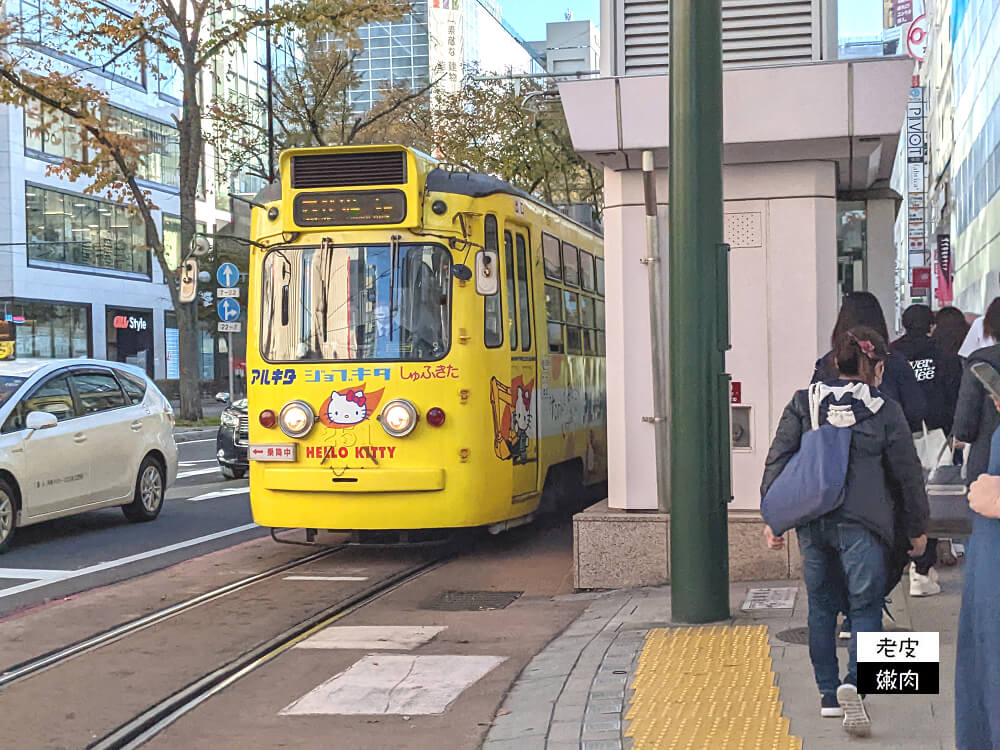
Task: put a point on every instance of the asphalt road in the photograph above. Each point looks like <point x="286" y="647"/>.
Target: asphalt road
<point x="203" y="512"/>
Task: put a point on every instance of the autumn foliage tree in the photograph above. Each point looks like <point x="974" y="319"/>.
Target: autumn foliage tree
<point x="189" y="35"/>
<point x="312" y="107"/>
<point x="513" y="128"/>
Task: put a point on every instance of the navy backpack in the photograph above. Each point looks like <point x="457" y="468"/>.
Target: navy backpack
<point x="812" y="482"/>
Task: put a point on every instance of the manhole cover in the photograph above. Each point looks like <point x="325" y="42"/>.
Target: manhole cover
<point x="800" y="636"/>
<point x="471" y="601"/>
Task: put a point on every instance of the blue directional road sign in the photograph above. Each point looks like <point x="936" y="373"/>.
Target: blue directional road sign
<point x="228" y="275"/>
<point x="229" y="309"/>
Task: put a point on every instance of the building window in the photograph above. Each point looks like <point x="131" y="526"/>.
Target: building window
<point x="171" y="238"/>
<point x="75" y="230"/>
<point x="47" y="329"/>
<point x="47" y="131"/>
<point x="68" y="39"/>
<point x="160" y="145"/>
<point x="852" y="246"/>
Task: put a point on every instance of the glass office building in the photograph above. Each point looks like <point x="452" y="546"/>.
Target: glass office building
<point x="975" y="32"/>
<point x="438" y="39"/>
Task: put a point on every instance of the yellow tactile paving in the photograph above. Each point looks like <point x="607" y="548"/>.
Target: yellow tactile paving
<point x="708" y="688"/>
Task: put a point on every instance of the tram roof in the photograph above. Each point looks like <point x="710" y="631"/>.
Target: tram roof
<point x="476" y="185"/>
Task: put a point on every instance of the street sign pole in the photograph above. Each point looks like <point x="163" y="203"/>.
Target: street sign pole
<point x="228" y="276"/>
<point x="698" y="279"/>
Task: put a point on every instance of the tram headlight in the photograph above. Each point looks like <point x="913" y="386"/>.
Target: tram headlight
<point x="296" y="419"/>
<point x="398" y="418"/>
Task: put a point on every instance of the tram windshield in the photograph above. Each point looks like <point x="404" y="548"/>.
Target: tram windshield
<point x="356" y="303"/>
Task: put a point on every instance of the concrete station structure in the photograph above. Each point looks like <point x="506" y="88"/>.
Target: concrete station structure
<point x="807" y="137"/>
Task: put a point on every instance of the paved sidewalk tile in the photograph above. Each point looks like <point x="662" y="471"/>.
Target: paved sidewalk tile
<point x="582" y="685"/>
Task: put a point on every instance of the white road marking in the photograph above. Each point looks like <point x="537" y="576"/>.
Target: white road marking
<point x="325" y="578"/>
<point x="196" y="472"/>
<point x="33" y="574"/>
<point x="395" y="684"/>
<point x="373" y="638"/>
<point x="12" y="591"/>
<point x="192" y="442"/>
<point x="220" y="493"/>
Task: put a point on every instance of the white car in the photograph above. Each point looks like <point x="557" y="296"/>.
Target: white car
<point x="81" y="434"/>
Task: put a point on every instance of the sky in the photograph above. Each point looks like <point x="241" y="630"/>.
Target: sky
<point x="528" y="17"/>
<point x="859" y="18"/>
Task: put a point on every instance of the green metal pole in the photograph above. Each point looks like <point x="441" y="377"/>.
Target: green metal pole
<point x="699" y="319"/>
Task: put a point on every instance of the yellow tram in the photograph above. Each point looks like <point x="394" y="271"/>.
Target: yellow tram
<point x="425" y="347"/>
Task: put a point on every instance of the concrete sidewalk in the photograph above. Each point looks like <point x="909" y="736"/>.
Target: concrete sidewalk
<point x="577" y="691"/>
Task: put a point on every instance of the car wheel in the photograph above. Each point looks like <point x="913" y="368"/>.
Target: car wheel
<point x="8" y="512"/>
<point x="149" y="491"/>
<point x="233" y="473"/>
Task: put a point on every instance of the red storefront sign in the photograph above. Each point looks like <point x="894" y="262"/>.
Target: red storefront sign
<point x="735" y="392"/>
<point x="922" y="278"/>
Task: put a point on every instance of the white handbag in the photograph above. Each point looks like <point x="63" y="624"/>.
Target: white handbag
<point x="933" y="449"/>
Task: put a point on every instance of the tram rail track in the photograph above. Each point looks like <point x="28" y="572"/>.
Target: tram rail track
<point x="159" y="716"/>
<point x="54" y="658"/>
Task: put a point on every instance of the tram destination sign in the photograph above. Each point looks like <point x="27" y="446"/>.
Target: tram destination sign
<point x="349" y="208"/>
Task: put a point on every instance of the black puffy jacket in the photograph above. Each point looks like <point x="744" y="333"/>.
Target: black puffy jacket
<point x="885" y="482"/>
<point x="976" y="418"/>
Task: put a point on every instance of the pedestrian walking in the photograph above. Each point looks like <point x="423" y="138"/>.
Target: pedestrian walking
<point x="976" y="419"/>
<point x="898" y="384"/>
<point x="939" y="376"/>
<point x="950" y="330"/>
<point x="851" y="553"/>
<point x="977" y="660"/>
<point x="983" y="331"/>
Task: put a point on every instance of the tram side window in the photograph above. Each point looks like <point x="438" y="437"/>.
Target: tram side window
<point x="508" y="252"/>
<point x="492" y="309"/>
<point x="574" y="342"/>
<point x="552" y="259"/>
<point x="553" y="313"/>
<point x="599" y="275"/>
<point x="599" y="320"/>
<point x="524" y="292"/>
<point x="571" y="264"/>
<point x="587" y="320"/>
<point x="586" y="271"/>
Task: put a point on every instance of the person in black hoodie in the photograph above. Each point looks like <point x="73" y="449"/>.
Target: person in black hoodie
<point x="850" y="555"/>
<point x="939" y="375"/>
<point x="898" y="383"/>
<point x="976" y="416"/>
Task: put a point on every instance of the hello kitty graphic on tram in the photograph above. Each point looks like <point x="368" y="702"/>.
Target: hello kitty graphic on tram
<point x="425" y="347"/>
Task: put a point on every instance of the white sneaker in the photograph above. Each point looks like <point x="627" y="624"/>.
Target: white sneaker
<point x="923" y="585"/>
<point x="856" y="719"/>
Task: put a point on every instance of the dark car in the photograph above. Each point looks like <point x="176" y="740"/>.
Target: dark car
<point x="231" y="442"/>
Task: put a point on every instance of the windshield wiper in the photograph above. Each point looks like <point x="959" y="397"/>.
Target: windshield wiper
<point x="324" y="302"/>
<point x="393" y="257"/>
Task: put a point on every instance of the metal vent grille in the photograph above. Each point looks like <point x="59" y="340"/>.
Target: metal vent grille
<point x="754" y="32"/>
<point x="646" y="27"/>
<point x="243" y="431"/>
<point x="471" y="601"/>
<point x="762" y="33"/>
<point x="348" y="170"/>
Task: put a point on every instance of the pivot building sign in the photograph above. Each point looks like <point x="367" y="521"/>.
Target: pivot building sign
<point x="915" y="178"/>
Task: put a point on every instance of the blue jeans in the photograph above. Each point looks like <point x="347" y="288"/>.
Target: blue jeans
<point x="844" y="567"/>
